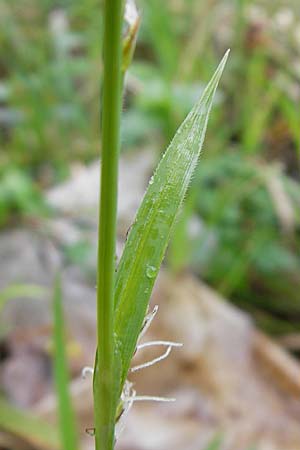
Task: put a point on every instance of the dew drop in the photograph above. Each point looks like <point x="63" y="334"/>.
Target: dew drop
<point x="151" y="271"/>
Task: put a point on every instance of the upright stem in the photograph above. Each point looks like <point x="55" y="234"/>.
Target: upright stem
<point x="111" y="111"/>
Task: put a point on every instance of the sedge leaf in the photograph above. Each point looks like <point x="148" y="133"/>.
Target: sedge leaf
<point x="150" y="233"/>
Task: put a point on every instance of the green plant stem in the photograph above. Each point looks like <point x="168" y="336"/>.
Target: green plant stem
<point x="104" y="397"/>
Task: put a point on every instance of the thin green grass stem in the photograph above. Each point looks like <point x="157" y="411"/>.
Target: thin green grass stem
<point x="104" y="401"/>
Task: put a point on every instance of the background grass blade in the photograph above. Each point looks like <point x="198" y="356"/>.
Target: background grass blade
<point x="20" y="290"/>
<point x="215" y="443"/>
<point x="151" y="230"/>
<point x="32" y="430"/>
<point x="67" y="423"/>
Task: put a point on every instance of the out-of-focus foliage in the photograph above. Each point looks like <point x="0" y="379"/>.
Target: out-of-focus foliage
<point x="49" y="77"/>
<point x="19" y="196"/>
<point x="241" y="245"/>
<point x="66" y="414"/>
<point x="19" y="290"/>
<point x="34" y="431"/>
<point x="50" y="69"/>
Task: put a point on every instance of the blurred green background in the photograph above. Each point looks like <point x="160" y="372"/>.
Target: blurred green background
<point x="240" y="228"/>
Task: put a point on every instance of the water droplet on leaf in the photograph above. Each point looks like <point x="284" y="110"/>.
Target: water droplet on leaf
<point x="151" y="272"/>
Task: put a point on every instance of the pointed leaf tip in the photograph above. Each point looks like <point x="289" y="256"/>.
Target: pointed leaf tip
<point x="219" y="71"/>
<point x="223" y="62"/>
<point x="208" y="94"/>
<point x="224" y="59"/>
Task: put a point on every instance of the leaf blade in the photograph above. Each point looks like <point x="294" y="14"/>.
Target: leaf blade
<point x="150" y="233"/>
